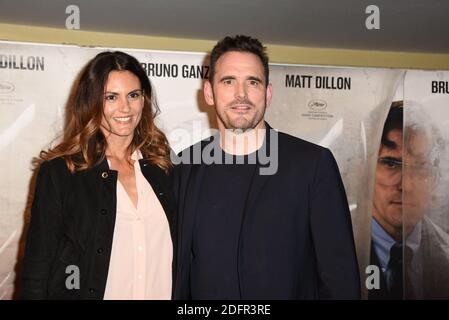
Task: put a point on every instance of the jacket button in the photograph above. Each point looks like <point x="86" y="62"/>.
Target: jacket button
<point x="104" y="175"/>
<point x="92" y="290"/>
<point x="103" y="212"/>
<point x="100" y="250"/>
<point x="161" y="194"/>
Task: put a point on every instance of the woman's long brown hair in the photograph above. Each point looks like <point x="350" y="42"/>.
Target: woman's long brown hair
<point x="83" y="144"/>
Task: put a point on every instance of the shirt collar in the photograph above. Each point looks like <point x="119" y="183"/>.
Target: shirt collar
<point x="382" y="243"/>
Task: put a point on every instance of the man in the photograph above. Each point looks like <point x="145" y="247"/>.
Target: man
<point x="386" y="252"/>
<point x="272" y="222"/>
<point x="423" y="260"/>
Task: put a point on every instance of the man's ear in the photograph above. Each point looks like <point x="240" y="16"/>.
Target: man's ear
<point x="208" y="93"/>
<point x="269" y="94"/>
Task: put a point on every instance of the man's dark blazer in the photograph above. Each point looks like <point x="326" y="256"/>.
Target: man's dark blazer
<point x="72" y="223"/>
<point x="296" y="238"/>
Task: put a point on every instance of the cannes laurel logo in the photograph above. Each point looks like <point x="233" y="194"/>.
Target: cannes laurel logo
<point x="317" y="104"/>
<point x="6" y="87"/>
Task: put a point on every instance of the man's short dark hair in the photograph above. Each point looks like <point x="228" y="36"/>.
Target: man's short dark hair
<point x="395" y="120"/>
<point x="239" y="43"/>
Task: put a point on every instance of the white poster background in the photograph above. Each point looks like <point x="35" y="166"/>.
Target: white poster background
<point x="32" y="108"/>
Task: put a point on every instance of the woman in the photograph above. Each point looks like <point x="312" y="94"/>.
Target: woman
<point x="103" y="203"/>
